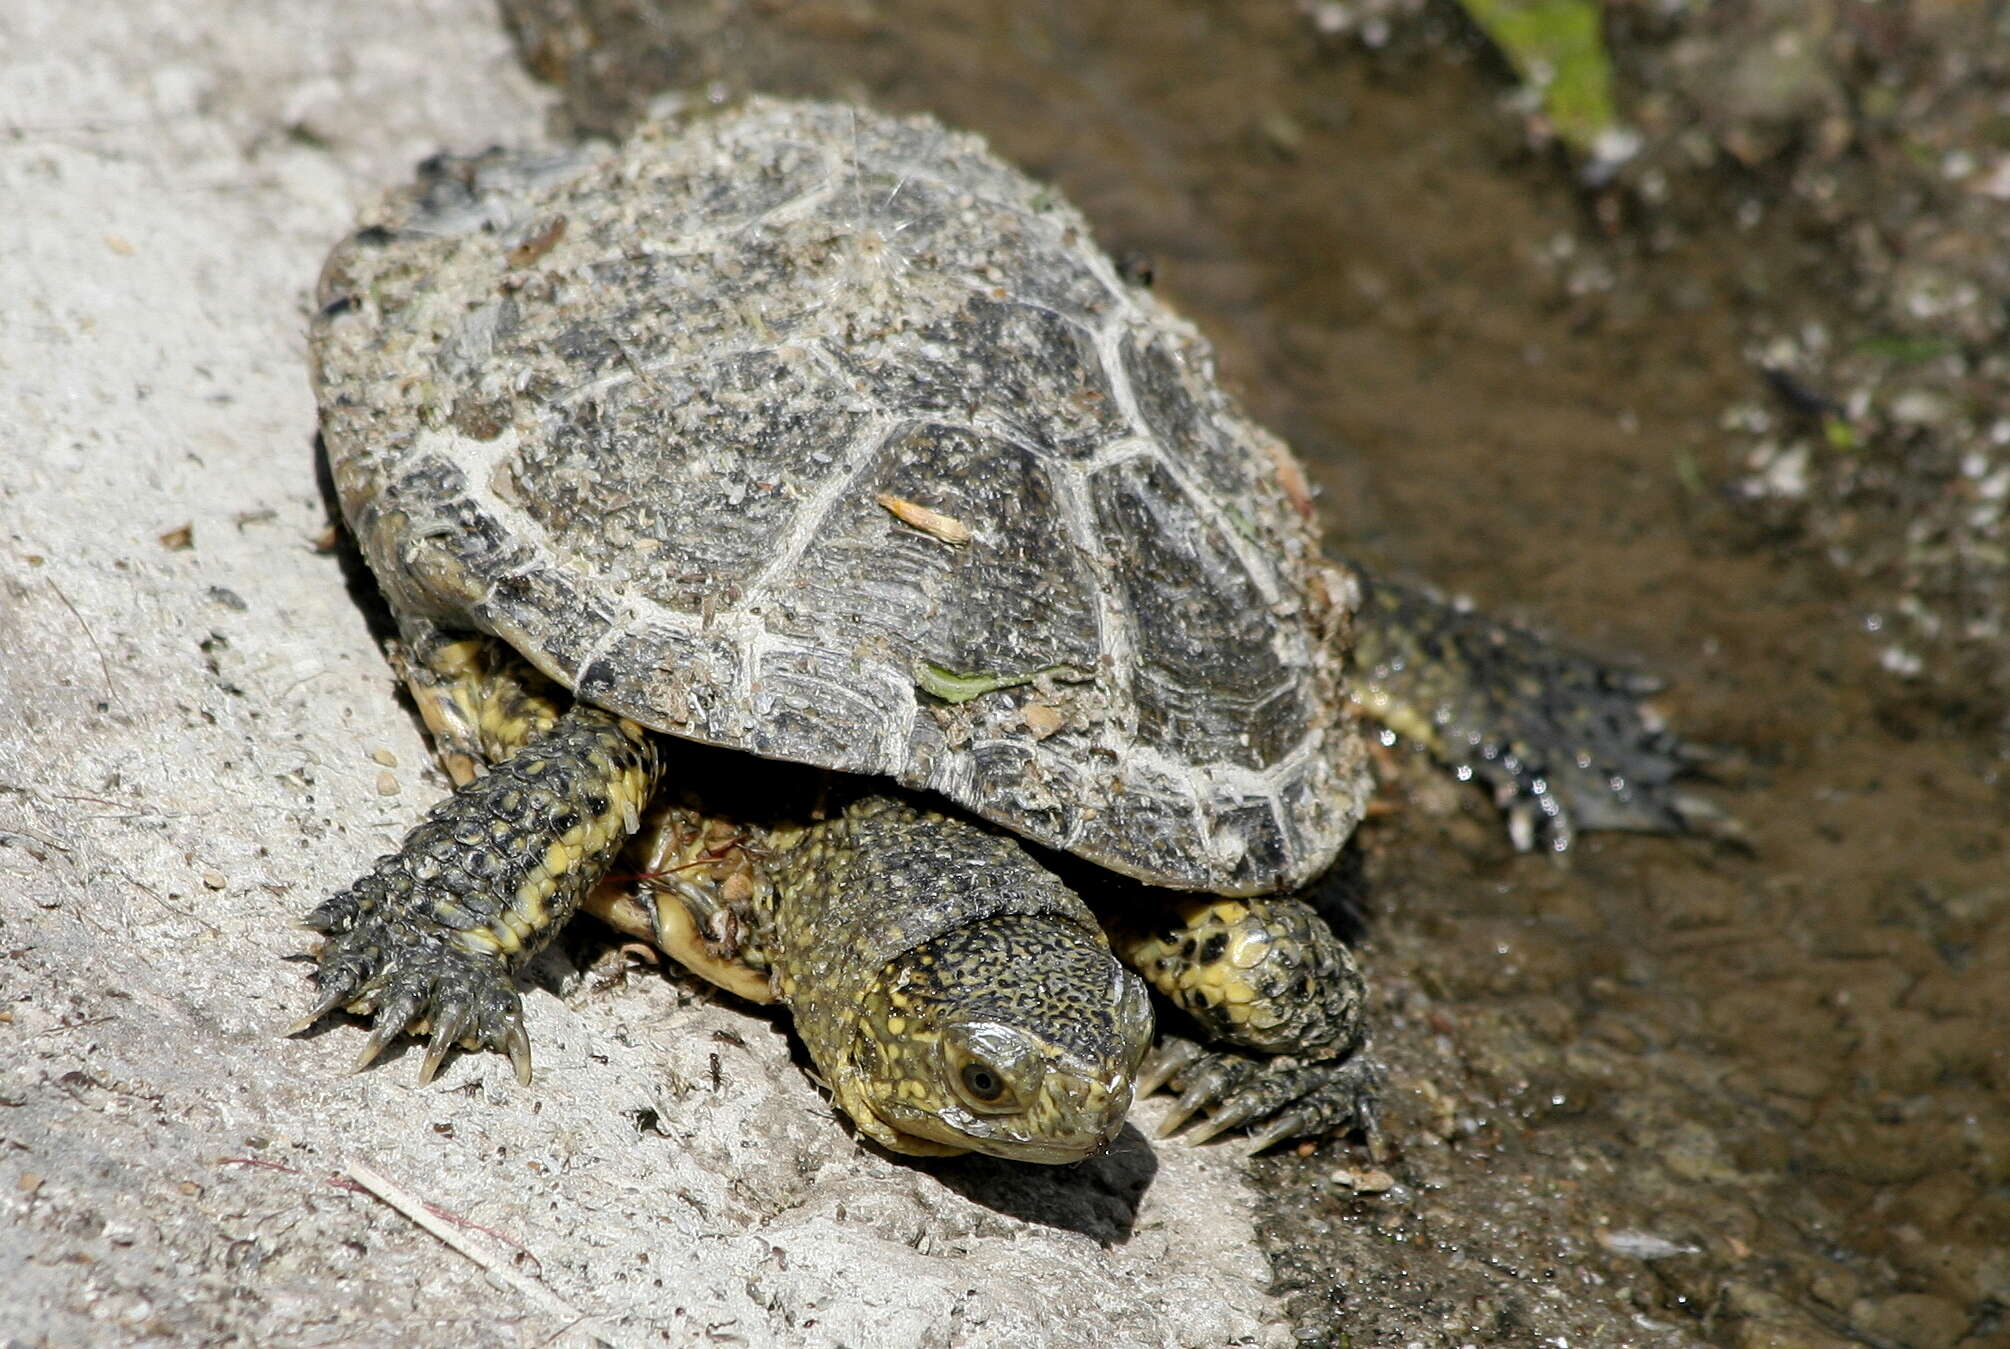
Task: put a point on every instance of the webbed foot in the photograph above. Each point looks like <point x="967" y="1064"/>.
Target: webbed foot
<point x="1279" y="1097"/>
<point x="1565" y="742"/>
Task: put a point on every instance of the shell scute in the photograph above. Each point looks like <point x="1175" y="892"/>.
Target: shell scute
<point x="649" y="446"/>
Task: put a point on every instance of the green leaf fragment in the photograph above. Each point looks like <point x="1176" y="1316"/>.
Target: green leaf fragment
<point x="1905" y="349"/>
<point x="939" y="681"/>
<point x="1559" y="47"/>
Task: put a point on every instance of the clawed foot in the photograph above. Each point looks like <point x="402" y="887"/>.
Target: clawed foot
<point x="411" y="975"/>
<point x="1566" y="742"/>
<point x="1591" y="755"/>
<point x="1292" y="1097"/>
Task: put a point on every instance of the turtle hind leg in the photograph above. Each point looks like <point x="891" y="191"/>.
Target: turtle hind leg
<point x="1281" y="1001"/>
<point x="1565" y="742"/>
<point x="432" y="936"/>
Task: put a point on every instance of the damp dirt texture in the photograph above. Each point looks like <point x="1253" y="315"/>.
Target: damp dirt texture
<point x="1736" y="413"/>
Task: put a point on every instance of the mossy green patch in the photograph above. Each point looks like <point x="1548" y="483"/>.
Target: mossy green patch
<point x="1557" y="46"/>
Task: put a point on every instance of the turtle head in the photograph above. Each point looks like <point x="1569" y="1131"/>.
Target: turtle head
<point x="1017" y="1036"/>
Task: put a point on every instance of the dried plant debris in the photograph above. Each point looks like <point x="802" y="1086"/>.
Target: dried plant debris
<point x="934" y="523"/>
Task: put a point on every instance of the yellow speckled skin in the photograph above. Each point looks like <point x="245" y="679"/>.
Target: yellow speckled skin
<point x="953" y="993"/>
<point x="481" y="704"/>
<point x="909" y="944"/>
<point x="432" y="934"/>
<point x="1264" y="974"/>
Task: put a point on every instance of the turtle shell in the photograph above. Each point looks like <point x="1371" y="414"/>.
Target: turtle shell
<point x="661" y="417"/>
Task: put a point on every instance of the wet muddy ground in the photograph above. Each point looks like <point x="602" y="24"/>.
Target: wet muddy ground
<point x="1674" y="1092"/>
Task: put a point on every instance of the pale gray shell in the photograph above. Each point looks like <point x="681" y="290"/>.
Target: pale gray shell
<point x="633" y="410"/>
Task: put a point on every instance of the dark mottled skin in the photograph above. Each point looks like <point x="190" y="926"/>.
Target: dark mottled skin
<point x="1562" y="739"/>
<point x="432" y="933"/>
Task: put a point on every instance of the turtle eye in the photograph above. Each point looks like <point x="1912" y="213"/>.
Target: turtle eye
<point x="981" y="1083"/>
<point x="994" y="1069"/>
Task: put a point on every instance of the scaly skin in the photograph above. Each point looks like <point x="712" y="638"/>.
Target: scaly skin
<point x="952" y="992"/>
<point x="1563" y="740"/>
<point x="1261" y="974"/>
<point x="1268" y="981"/>
<point x="480" y="703"/>
<point x="432" y="935"/>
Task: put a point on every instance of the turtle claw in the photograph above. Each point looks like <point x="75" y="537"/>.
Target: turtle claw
<point x="1212" y="1081"/>
<point x="454" y="996"/>
<point x="381" y="1035"/>
<point x="407" y="973"/>
<point x="1227" y="1089"/>
<point x="518" y="1045"/>
<point x="1701" y="815"/>
<point x="1174" y="1056"/>
<point x="335" y="992"/>
<point x="447" y="1032"/>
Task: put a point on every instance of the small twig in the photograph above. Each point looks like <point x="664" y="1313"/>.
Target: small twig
<point x="74" y="1025"/>
<point x="419" y="1214"/>
<point x="35" y="836"/>
<point x="342" y="1182"/>
<point x="287" y="692"/>
<point x="104" y="666"/>
<point x="155" y="896"/>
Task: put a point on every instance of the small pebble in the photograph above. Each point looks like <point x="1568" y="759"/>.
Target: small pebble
<point x="1372" y="1181"/>
<point x="387" y="783"/>
<point x="1042" y="719"/>
<point x="384" y="757"/>
<point x="215" y="880"/>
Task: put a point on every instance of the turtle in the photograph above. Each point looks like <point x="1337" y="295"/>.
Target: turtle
<point x="812" y="554"/>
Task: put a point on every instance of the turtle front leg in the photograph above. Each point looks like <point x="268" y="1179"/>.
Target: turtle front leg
<point x="432" y="936"/>
<point x="1268" y="980"/>
<point x="480" y="701"/>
